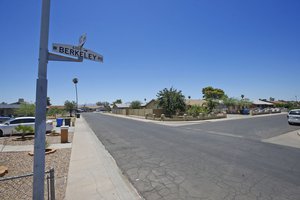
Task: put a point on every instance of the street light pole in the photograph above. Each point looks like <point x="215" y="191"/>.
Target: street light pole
<point x="75" y="81"/>
<point x="76" y="97"/>
<point x="41" y="104"/>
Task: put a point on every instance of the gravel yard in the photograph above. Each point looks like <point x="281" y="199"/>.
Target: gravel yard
<point x="20" y="163"/>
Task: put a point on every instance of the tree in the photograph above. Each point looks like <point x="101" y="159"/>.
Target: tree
<point x="70" y="106"/>
<point x="211" y="104"/>
<point x="245" y="103"/>
<point x="231" y="102"/>
<point x="242" y="96"/>
<point x="54" y="111"/>
<point x="105" y="104"/>
<point x="75" y="80"/>
<point x="26" y="109"/>
<point x="171" y="100"/>
<point x="135" y="105"/>
<point x="118" y="101"/>
<point x="213" y="93"/>
<point x="99" y="103"/>
<point x="48" y="101"/>
<point x="212" y="97"/>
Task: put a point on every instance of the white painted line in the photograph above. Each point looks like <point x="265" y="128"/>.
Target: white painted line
<point x="225" y="134"/>
<point x="216" y="133"/>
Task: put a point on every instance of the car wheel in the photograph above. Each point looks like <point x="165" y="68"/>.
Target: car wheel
<point x="1" y="133"/>
<point x="290" y="123"/>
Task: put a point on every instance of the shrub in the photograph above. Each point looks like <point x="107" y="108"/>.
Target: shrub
<point x="196" y="110"/>
<point x="24" y="130"/>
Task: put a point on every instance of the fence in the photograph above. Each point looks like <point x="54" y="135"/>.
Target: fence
<point x="20" y="187"/>
<point x="138" y="112"/>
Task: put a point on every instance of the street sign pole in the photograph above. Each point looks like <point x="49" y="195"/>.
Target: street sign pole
<point x="41" y="95"/>
<point x="41" y="103"/>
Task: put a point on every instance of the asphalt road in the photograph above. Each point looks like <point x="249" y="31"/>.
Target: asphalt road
<point x="209" y="161"/>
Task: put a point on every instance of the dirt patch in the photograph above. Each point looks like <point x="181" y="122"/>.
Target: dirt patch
<point x="19" y="163"/>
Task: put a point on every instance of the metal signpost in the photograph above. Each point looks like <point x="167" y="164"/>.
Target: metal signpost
<point x="41" y="92"/>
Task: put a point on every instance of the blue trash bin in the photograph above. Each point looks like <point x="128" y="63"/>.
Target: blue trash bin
<point x="59" y="122"/>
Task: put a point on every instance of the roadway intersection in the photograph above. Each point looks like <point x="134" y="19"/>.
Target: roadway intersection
<point x="210" y="160"/>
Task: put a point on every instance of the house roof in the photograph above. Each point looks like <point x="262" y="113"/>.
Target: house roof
<point x="58" y="107"/>
<point x="152" y="100"/>
<point x="94" y="107"/>
<point x="122" y="105"/>
<point x="192" y="102"/>
<point x="9" y="106"/>
<point x="259" y="102"/>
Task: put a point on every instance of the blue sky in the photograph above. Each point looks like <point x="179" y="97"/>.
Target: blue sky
<point x="241" y="46"/>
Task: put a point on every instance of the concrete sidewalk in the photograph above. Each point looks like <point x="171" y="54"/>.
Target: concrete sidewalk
<point x="185" y="123"/>
<point x="291" y="139"/>
<point x="93" y="173"/>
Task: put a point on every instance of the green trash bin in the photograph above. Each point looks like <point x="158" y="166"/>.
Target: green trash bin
<point x="77" y="115"/>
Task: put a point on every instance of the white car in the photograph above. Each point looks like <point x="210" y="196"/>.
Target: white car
<point x="294" y="116"/>
<point x="8" y="127"/>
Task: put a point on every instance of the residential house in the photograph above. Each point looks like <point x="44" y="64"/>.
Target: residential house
<point x="194" y="102"/>
<point x="262" y="104"/>
<point x="121" y="108"/>
<point x="9" y="109"/>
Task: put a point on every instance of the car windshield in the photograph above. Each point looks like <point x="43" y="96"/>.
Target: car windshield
<point x="295" y="112"/>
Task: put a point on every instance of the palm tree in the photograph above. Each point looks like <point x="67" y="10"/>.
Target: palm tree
<point x="75" y="81"/>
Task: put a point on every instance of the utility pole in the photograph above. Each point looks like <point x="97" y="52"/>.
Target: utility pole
<point x="41" y="105"/>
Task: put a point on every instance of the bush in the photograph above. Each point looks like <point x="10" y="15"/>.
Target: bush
<point x="196" y="110"/>
<point x="24" y="130"/>
<point x="26" y="109"/>
<point x="171" y="100"/>
<point x="54" y="112"/>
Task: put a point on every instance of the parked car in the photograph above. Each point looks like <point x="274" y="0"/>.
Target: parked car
<point x="3" y="119"/>
<point x="8" y="127"/>
<point x="245" y="111"/>
<point x="294" y="116"/>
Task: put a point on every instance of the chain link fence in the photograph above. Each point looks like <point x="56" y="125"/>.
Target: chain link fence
<point x="20" y="187"/>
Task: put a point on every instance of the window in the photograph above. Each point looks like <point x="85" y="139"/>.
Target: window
<point x="295" y="113"/>
<point x="28" y="121"/>
<point x="17" y="121"/>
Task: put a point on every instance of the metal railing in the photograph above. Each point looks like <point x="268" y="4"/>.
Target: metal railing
<point x="20" y="187"/>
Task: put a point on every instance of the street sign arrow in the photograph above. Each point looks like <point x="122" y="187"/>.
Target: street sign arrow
<point x="76" y="51"/>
